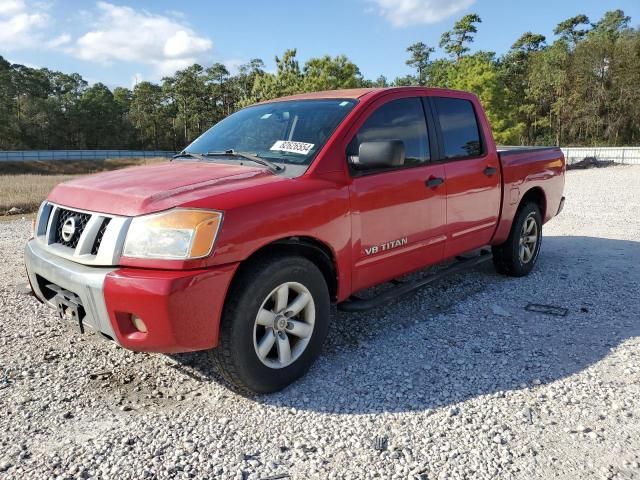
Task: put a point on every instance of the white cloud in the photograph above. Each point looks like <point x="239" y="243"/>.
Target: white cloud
<point x="20" y="27"/>
<point x="11" y="7"/>
<point x="59" y="41"/>
<point x="402" y="13"/>
<point x="125" y="34"/>
<point x="184" y="43"/>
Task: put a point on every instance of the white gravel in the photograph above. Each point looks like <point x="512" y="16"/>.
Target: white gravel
<point x="456" y="381"/>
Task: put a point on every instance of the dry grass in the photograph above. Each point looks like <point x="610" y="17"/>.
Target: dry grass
<point x="26" y="192"/>
<point x="64" y="167"/>
<point x="26" y="184"/>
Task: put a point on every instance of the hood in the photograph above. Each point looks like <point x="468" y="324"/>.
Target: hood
<point x="151" y="188"/>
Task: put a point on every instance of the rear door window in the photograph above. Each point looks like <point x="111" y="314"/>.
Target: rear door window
<point x="459" y="127"/>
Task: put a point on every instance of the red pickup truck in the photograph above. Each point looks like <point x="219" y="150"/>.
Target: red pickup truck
<point x="242" y="242"/>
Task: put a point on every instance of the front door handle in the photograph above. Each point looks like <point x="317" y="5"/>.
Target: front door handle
<point x="434" y="182"/>
<point x="490" y="171"/>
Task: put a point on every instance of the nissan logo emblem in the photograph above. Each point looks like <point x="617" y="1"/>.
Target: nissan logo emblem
<point x="68" y="229"/>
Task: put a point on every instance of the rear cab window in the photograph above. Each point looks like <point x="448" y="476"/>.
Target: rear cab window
<point x="459" y="127"/>
<point x="401" y="119"/>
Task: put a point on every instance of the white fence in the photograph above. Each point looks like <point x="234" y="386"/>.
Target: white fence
<point x="626" y="155"/>
<point x="35" y="155"/>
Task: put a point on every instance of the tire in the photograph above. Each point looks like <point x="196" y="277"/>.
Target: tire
<point x="245" y="336"/>
<point x="509" y="258"/>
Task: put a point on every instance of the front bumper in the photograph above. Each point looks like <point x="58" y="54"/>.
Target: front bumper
<point x="181" y="309"/>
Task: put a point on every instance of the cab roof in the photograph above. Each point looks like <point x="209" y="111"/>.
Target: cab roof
<point x="345" y="93"/>
<point x="358" y="93"/>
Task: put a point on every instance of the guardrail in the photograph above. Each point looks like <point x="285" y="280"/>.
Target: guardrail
<point x="35" y="155"/>
<point x="624" y="155"/>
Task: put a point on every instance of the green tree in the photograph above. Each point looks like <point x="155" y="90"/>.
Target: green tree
<point x="456" y="42"/>
<point x="582" y="89"/>
<point x="529" y="42"/>
<point x="244" y="80"/>
<point x="150" y="117"/>
<point x="406" y="81"/>
<point x="187" y="91"/>
<point x="514" y="69"/>
<point x="380" y="82"/>
<point x="219" y="92"/>
<point x="419" y="59"/>
<point x="548" y="85"/>
<point x="101" y="118"/>
<point x="65" y="122"/>
<point x="611" y="25"/>
<point x="8" y="121"/>
<point x="286" y="81"/>
<point x="568" y="30"/>
<point x="326" y="73"/>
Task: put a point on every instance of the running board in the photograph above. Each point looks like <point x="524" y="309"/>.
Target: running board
<point x="356" y="304"/>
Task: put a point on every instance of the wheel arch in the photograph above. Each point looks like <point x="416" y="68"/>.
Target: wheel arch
<point x="537" y="196"/>
<point x="310" y="248"/>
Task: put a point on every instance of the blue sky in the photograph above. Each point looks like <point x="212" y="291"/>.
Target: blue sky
<point x="117" y="41"/>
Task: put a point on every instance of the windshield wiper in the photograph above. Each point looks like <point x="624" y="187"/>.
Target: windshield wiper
<point x="189" y="155"/>
<point x="247" y="156"/>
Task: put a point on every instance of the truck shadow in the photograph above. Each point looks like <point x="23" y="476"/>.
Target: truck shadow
<point x="454" y="341"/>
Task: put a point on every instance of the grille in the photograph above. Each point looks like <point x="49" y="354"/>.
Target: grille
<point x="81" y="222"/>
<point x="98" y="240"/>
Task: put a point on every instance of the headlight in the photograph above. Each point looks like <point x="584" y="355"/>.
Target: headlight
<point x="174" y="234"/>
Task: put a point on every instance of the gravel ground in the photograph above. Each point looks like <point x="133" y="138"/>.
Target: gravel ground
<point x="456" y="381"/>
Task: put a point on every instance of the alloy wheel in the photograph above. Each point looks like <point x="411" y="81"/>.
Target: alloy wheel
<point x="284" y="325"/>
<point x="528" y="238"/>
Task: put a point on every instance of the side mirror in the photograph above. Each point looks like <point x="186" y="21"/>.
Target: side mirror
<point x="381" y="154"/>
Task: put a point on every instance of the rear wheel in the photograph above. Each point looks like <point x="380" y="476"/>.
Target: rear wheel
<point x="274" y="324"/>
<point x="517" y="256"/>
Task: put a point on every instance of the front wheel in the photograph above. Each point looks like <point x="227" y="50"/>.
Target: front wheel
<point x="274" y="324"/>
<point x="517" y="256"/>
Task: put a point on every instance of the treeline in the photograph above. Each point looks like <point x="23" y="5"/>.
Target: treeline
<point x="581" y="88"/>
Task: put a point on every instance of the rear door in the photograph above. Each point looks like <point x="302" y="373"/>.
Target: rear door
<point x="398" y="220"/>
<point x="472" y="175"/>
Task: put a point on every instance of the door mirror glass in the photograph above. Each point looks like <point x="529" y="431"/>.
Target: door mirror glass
<point x="387" y="153"/>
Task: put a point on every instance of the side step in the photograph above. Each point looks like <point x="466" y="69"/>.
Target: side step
<point x="356" y="304"/>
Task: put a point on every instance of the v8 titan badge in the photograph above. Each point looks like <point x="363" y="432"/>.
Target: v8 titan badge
<point x="383" y="247"/>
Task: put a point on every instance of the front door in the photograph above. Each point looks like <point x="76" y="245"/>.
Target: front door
<point x="398" y="214"/>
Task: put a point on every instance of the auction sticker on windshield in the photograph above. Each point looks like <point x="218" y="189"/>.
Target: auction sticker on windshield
<point x="293" y="147"/>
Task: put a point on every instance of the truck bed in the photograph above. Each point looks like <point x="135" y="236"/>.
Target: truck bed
<point x="529" y="168"/>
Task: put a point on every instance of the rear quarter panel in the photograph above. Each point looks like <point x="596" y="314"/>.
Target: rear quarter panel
<point x="525" y="170"/>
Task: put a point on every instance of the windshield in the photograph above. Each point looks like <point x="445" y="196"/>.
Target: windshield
<point x="289" y="132"/>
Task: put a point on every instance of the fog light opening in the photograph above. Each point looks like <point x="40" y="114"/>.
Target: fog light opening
<point x="138" y="324"/>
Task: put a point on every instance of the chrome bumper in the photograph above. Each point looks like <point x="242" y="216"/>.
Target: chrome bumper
<point x="86" y="282"/>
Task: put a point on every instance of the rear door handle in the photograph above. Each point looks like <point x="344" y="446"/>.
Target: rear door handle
<point x="490" y="171"/>
<point x="434" y="182"/>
